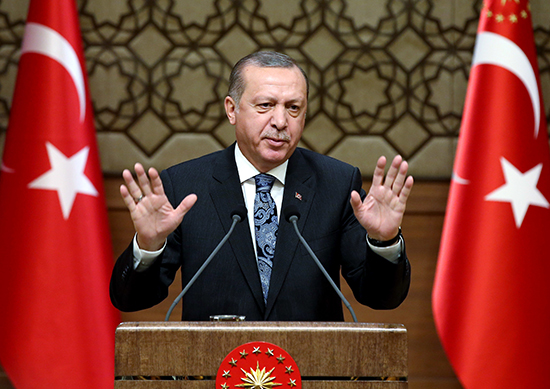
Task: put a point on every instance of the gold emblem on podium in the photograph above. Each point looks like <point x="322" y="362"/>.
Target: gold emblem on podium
<point x="258" y="365"/>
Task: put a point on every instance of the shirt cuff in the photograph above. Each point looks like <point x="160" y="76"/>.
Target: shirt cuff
<point x="143" y="259"/>
<point x="391" y="253"/>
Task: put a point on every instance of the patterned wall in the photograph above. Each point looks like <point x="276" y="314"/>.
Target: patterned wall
<point x="386" y="76"/>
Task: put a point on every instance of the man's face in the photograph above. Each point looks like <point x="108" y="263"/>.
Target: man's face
<point x="271" y="115"/>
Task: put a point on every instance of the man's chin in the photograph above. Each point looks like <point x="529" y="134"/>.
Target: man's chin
<point x="273" y="158"/>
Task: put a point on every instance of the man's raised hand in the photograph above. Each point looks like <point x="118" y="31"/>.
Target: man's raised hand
<point x="382" y="210"/>
<point x="153" y="216"/>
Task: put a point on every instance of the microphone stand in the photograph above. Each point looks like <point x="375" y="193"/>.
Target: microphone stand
<point x="293" y="219"/>
<point x="236" y="219"/>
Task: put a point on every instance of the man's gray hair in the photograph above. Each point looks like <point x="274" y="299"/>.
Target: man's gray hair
<point x="262" y="59"/>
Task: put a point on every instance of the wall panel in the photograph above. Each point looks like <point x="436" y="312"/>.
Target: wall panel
<point x="386" y="76"/>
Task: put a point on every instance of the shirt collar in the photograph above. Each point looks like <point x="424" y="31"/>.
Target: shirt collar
<point x="247" y="171"/>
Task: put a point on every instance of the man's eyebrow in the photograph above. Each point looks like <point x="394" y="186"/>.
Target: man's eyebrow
<point x="261" y="98"/>
<point x="297" y="100"/>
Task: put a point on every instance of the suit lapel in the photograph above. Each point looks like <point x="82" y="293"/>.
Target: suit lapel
<point x="226" y="194"/>
<point x="299" y="190"/>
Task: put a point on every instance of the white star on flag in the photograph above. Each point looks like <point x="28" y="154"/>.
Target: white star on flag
<point x="520" y="190"/>
<point x="66" y="176"/>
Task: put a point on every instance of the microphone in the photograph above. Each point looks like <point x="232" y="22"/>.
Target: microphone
<point x="238" y="214"/>
<point x="292" y="215"/>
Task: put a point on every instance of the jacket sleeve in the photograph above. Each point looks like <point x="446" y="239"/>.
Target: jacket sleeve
<point x="375" y="281"/>
<point x="131" y="290"/>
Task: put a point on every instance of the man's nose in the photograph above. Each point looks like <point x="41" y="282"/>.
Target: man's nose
<point x="279" y="118"/>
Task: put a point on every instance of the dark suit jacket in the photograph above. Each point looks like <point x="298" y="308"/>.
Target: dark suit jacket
<point x="231" y="283"/>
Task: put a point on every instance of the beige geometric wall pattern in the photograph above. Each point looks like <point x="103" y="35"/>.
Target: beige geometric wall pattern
<point x="386" y="76"/>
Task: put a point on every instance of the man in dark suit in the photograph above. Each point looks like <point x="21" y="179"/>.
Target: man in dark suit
<point x="181" y="215"/>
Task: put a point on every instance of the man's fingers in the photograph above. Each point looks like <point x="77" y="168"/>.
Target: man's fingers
<point x="186" y="204"/>
<point x="144" y="183"/>
<point x="378" y="175"/>
<point x="127" y="197"/>
<point x="406" y="191"/>
<point x="133" y="188"/>
<point x="392" y="172"/>
<point x="400" y="179"/>
<point x="156" y="182"/>
<point x="355" y="201"/>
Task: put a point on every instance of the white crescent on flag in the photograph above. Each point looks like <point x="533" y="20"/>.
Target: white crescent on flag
<point x="46" y="41"/>
<point x="455" y="177"/>
<point x="495" y="49"/>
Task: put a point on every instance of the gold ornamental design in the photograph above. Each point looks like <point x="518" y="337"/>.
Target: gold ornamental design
<point x="258" y="379"/>
<point x="258" y="365"/>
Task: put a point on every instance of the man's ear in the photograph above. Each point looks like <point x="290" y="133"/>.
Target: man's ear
<point x="230" y="109"/>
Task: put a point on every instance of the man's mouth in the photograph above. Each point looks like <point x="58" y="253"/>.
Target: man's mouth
<point x="276" y="142"/>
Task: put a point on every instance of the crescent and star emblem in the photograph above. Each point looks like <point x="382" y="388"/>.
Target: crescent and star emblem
<point x="41" y="39"/>
<point x="495" y="49"/>
<point x="520" y="189"/>
<point x="66" y="175"/>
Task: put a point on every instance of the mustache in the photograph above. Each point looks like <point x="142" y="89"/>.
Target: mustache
<point x="278" y="135"/>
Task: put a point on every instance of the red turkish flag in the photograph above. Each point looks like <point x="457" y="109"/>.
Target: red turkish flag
<point x="57" y="326"/>
<point x="491" y="297"/>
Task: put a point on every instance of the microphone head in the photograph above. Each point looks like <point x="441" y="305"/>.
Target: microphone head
<point x="291" y="210"/>
<point x="239" y="212"/>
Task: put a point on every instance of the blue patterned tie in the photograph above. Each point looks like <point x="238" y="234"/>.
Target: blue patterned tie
<point x="266" y="225"/>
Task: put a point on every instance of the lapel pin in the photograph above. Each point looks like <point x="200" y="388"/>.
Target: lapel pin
<point x="298" y="196"/>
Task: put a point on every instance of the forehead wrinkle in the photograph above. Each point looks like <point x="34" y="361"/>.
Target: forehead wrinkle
<point x="270" y="78"/>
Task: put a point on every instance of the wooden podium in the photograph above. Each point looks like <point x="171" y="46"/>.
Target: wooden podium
<point x="328" y="355"/>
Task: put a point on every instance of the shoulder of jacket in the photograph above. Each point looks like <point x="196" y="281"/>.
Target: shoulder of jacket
<point x="325" y="160"/>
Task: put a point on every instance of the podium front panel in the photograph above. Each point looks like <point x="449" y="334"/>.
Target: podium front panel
<point x="328" y="355"/>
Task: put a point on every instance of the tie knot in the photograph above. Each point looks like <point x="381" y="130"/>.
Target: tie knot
<point x="264" y="182"/>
